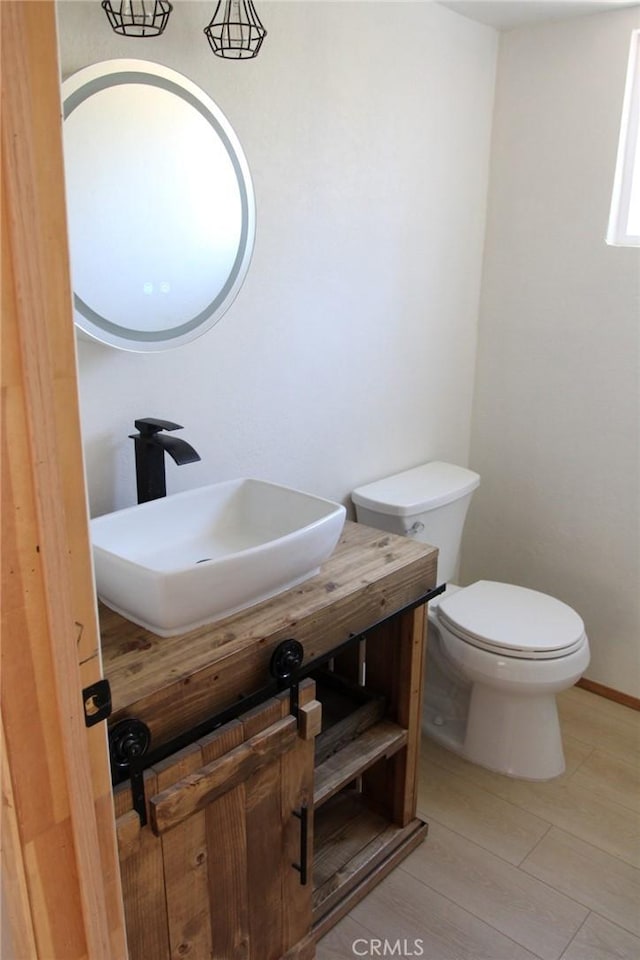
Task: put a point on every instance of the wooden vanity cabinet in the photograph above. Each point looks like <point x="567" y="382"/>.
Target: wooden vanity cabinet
<point x="215" y="871"/>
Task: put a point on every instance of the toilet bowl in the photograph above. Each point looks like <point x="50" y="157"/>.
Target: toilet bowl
<point x="515" y="648"/>
<point x="498" y="653"/>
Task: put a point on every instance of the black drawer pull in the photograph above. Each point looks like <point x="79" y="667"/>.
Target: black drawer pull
<point x="303" y="816"/>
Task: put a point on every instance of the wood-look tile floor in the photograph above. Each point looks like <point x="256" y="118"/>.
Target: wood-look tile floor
<point x="516" y="870"/>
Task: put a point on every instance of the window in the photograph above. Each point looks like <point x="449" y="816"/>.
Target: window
<point x="624" y="221"/>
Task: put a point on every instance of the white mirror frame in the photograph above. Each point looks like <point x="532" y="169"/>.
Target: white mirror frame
<point x="132" y="129"/>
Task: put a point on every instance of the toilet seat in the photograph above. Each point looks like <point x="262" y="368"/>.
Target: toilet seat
<point x="512" y="621"/>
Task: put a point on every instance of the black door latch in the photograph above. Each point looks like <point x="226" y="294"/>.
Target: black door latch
<point x="96" y="700"/>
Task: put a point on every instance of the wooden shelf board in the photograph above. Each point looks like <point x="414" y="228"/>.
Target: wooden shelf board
<point x="342" y="827"/>
<point x="352" y="845"/>
<point x="381" y="740"/>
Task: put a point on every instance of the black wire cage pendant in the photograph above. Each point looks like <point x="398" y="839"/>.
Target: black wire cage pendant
<point x="138" y="18"/>
<point x="235" y="31"/>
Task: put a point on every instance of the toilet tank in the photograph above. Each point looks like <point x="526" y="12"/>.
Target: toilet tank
<point x="428" y="503"/>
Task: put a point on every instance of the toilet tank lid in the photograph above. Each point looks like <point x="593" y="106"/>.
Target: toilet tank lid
<point x="417" y="490"/>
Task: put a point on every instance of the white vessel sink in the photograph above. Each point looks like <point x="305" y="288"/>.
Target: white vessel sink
<point x="174" y="564"/>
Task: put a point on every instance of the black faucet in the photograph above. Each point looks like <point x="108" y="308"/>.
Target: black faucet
<point x="150" y="446"/>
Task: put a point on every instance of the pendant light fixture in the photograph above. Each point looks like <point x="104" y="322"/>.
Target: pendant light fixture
<point x="138" y="18"/>
<point x="235" y="31"/>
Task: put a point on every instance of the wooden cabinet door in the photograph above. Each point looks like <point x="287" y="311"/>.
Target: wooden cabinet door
<point x="215" y="872"/>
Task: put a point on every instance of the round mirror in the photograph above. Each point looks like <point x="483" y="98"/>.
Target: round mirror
<point x="160" y="205"/>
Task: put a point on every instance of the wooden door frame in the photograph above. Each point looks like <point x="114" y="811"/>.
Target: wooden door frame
<point x="61" y="883"/>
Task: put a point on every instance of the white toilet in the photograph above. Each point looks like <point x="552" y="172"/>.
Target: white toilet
<point x="497" y="653"/>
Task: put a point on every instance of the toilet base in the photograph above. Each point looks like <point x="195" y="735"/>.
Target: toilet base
<point x="515" y="735"/>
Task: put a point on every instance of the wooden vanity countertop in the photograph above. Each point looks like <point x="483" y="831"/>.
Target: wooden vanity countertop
<point x="172" y="683"/>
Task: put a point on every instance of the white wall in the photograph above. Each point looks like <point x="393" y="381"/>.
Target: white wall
<point x="556" y="423"/>
<point x="349" y="353"/>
